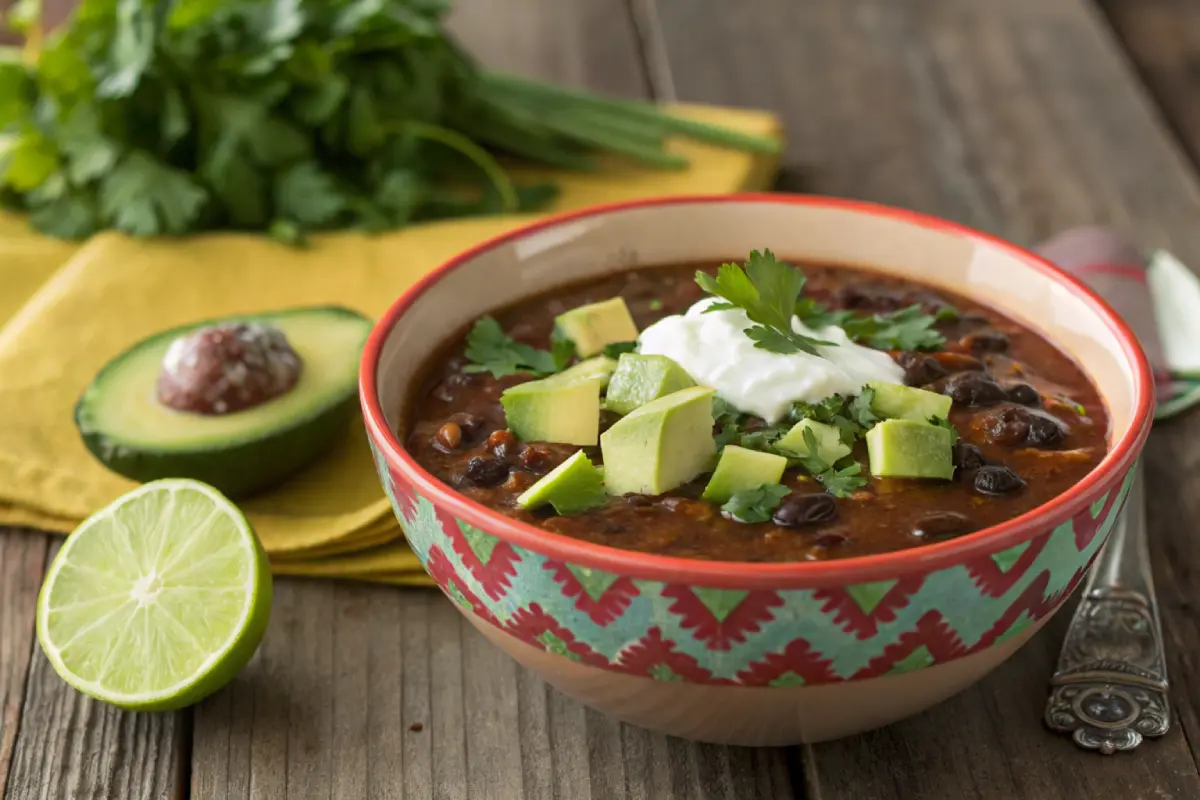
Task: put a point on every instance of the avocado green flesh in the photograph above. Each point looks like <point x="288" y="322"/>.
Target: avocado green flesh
<point x="740" y="469"/>
<point x="125" y="426"/>
<point x="893" y="401"/>
<point x="661" y="445"/>
<point x="593" y="326"/>
<point x="904" y="448"/>
<point x="830" y="447"/>
<point x="573" y="486"/>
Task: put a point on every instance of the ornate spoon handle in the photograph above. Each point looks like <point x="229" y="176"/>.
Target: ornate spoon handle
<point x="1110" y="688"/>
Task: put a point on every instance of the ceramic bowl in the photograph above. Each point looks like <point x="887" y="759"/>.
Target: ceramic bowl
<point x="754" y="654"/>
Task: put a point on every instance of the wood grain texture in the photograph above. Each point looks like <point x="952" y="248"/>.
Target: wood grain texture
<point x="365" y="692"/>
<point x="70" y="746"/>
<point x="372" y="692"/>
<point x="1162" y="39"/>
<point x="1020" y="118"/>
<point x="22" y="560"/>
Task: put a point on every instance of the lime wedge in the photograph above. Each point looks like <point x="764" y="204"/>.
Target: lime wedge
<point x="158" y="600"/>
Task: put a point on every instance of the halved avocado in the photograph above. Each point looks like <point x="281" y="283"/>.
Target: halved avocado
<point x="125" y="426"/>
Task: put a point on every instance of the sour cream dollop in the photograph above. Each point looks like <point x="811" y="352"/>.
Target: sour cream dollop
<point x="714" y="349"/>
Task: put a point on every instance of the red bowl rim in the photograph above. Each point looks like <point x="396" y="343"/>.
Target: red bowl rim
<point x="734" y="574"/>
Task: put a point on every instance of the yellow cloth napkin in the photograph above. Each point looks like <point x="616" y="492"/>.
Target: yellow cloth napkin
<point x="116" y="290"/>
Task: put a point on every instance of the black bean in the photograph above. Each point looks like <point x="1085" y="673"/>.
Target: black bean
<point x="967" y="456"/>
<point x="997" y="480"/>
<point x="798" y="511"/>
<point x="1008" y="425"/>
<point x="472" y="425"/>
<point x="639" y="500"/>
<point x="1024" y="394"/>
<point x="874" y="298"/>
<point x="1016" y="425"/>
<point x="973" y="389"/>
<point x="919" y="369"/>
<point x="486" y="471"/>
<point x="1045" y="431"/>
<point x="941" y="525"/>
<point x="986" y="341"/>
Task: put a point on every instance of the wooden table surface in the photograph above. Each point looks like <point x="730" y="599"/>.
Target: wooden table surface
<point x="1019" y="117"/>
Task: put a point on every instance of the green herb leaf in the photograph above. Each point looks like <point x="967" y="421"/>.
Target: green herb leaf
<point x="490" y="349"/>
<point x="615" y="349"/>
<point x="766" y="290"/>
<point x="852" y="416"/>
<point x="838" y="482"/>
<point x="843" y="482"/>
<point x="945" y="423"/>
<point x="147" y="198"/>
<point x="656" y="304"/>
<point x="755" y="505"/>
<point x="562" y="350"/>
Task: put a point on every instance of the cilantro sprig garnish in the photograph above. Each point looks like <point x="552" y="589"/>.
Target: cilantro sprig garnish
<point x="852" y="416"/>
<point x="838" y="482"/>
<point x="490" y="349"/>
<point x="904" y="329"/>
<point x="767" y="291"/>
<point x="755" y="505"/>
<point x="942" y="422"/>
<point x="615" y="349"/>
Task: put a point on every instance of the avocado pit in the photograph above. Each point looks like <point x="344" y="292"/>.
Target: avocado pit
<point x="226" y="368"/>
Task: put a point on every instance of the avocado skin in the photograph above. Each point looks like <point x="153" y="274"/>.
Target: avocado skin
<point x="237" y="471"/>
<point x="242" y="468"/>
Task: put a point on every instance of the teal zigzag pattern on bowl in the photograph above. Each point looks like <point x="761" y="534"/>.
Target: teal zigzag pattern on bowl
<point x="763" y="637"/>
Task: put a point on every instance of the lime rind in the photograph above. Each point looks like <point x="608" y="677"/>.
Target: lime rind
<point x="157" y="600"/>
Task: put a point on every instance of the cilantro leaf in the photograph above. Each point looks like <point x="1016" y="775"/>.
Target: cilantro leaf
<point x="562" y="350"/>
<point x="860" y="408"/>
<point x="145" y="197"/>
<point x="838" y="482"/>
<point x="309" y="196"/>
<point x="945" y="423"/>
<point x="755" y="505"/>
<point x="490" y="349"/>
<point x="615" y="349"/>
<point x="852" y="416"/>
<point x="843" y="482"/>
<point x="905" y="329"/>
<point x="656" y="305"/>
<point x="766" y="290"/>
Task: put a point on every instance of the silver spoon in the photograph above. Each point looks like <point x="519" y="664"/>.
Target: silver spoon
<point x="1110" y="688"/>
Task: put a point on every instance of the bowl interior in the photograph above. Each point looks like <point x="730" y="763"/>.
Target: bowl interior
<point x="674" y="232"/>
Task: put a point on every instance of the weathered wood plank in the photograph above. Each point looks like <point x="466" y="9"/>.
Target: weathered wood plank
<point x="22" y="560"/>
<point x="1162" y="38"/>
<point x="69" y="745"/>
<point x="372" y="692"/>
<point x="1020" y="118"/>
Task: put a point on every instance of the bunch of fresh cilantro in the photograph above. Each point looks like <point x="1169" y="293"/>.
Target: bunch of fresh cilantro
<point x="171" y="116"/>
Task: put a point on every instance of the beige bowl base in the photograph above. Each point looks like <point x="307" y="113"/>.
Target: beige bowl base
<point x="757" y="716"/>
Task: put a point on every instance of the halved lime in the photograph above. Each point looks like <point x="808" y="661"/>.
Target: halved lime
<point x="158" y="600"/>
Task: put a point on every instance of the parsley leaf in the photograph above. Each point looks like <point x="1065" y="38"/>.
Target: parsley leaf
<point x="615" y="349"/>
<point x="490" y="349"/>
<point x="767" y="290"/>
<point x="755" y="505"/>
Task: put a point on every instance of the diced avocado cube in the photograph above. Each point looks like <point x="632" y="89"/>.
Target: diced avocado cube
<point x="592" y="326"/>
<point x="573" y="486"/>
<point x="893" y="401"/>
<point x="740" y="469"/>
<point x="906" y="448"/>
<point x="600" y="367"/>
<point x="830" y="447"/>
<point x="661" y="445"/>
<point x="554" y="409"/>
<point x="639" y="379"/>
